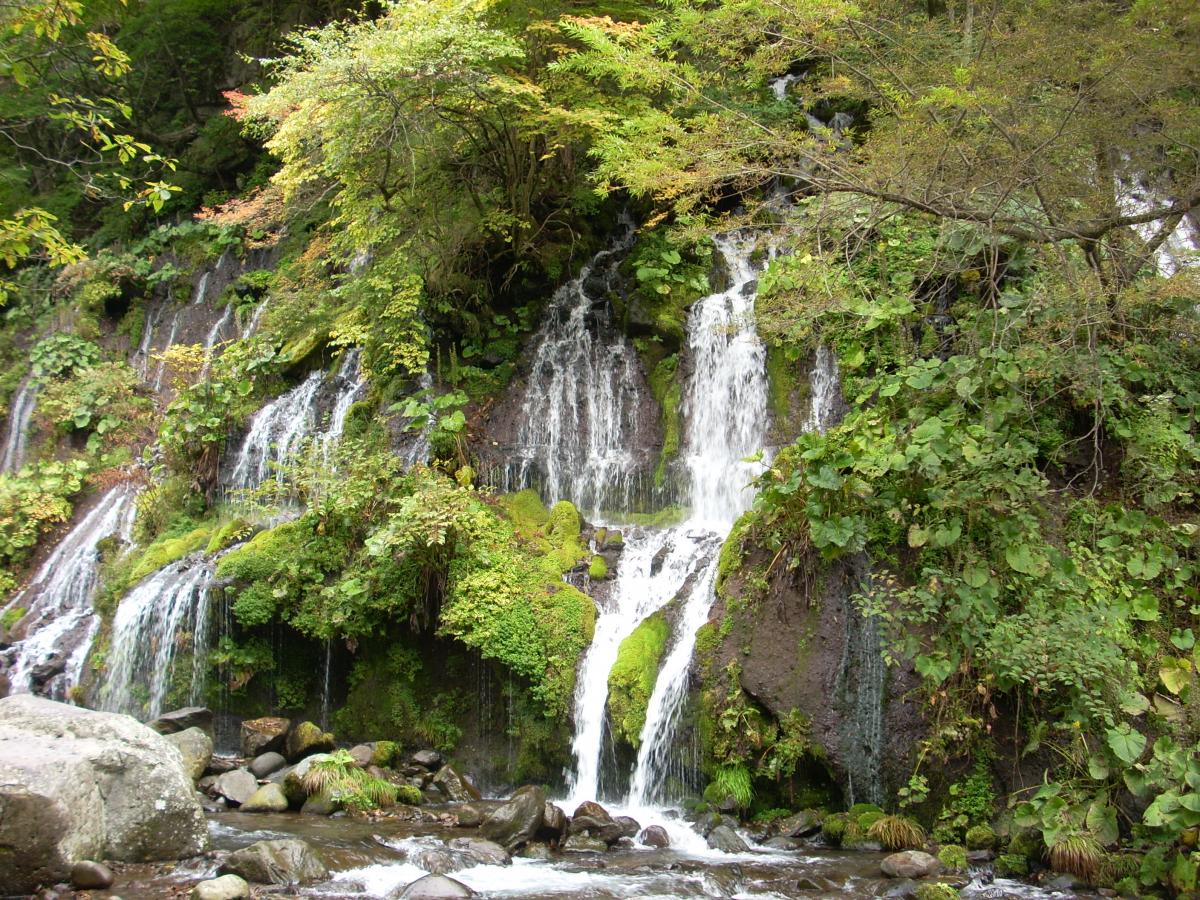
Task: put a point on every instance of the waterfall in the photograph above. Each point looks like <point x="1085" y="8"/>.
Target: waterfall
<point x="59" y="623"/>
<point x="162" y="363"/>
<point x="214" y="334"/>
<point x="279" y="430"/>
<point x="19" y="416"/>
<point x="142" y="356"/>
<point x="350" y="388"/>
<point x="165" y="613"/>
<point x="826" y="391"/>
<point x="579" y="419"/>
<point x="1136" y="194"/>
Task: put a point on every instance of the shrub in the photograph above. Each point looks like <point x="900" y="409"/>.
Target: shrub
<point x="339" y="778"/>
<point x="733" y="780"/>
<point x="1079" y="854"/>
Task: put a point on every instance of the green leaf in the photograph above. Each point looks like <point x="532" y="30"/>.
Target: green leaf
<point x="1102" y="822"/>
<point x="1145" y="608"/>
<point x="1024" y="559"/>
<point x="1126" y="743"/>
<point x="1183" y="640"/>
<point x="1175" y="674"/>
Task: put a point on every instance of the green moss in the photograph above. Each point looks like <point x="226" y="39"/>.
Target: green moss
<point x="953" y="857"/>
<point x="980" y="837"/>
<point x="526" y="510"/>
<point x="1011" y="865"/>
<point x="598" y="568"/>
<point x="936" y="891"/>
<point x="664" y="385"/>
<point x="409" y="795"/>
<point x="867" y="819"/>
<point x="834" y="828"/>
<point x="663" y="518"/>
<point x="732" y="552"/>
<point x="11" y="617"/>
<point x="632" y="678"/>
<point x="227" y="534"/>
<point x="786" y="393"/>
<point x="165" y="551"/>
<point x="861" y="809"/>
<point x="385" y="753"/>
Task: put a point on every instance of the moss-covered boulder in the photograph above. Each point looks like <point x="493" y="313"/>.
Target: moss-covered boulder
<point x="631" y="680"/>
<point x="305" y="740"/>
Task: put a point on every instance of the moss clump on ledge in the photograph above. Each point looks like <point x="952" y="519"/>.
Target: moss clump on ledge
<point x="167" y="550"/>
<point x="632" y="678"/>
<point x="664" y="385"/>
<point x="597" y="568"/>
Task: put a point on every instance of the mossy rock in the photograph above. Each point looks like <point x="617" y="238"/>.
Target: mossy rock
<point x="598" y="568"/>
<point x="409" y="795"/>
<point x="1011" y="865"/>
<point x="227" y="534"/>
<point x="384" y="753"/>
<point x="861" y="809"/>
<point x="936" y="891"/>
<point x="631" y="680"/>
<point x="834" y="828"/>
<point x="980" y="837"/>
<point x="867" y="819"/>
<point x="1025" y="844"/>
<point x="168" y="550"/>
<point x="953" y="857"/>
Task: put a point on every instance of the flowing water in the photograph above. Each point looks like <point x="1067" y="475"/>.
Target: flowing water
<point x="164" y="615"/>
<point x="60" y="622"/>
<point x="1137" y="194"/>
<point x="20" y="414"/>
<point x="276" y="434"/>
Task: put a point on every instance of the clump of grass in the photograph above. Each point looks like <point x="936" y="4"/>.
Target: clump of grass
<point x="897" y="833"/>
<point x="1078" y="854"/>
<point x="344" y="782"/>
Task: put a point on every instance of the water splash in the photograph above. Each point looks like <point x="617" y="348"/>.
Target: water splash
<point x="20" y="414"/>
<point x="60" y="623"/>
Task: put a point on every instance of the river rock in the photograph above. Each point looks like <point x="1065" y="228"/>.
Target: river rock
<point x="482" y="852"/>
<point x="517" y="820"/>
<point x="237" y="786"/>
<point x="426" y="759"/>
<point x="437" y="860"/>
<point x="910" y="864"/>
<point x="362" y="754"/>
<point x="227" y="887"/>
<point x="582" y="843"/>
<point x="268" y="798"/>
<point x="470" y="815"/>
<point x="182" y="719"/>
<point x="196" y="748"/>
<point x="779" y="842"/>
<point x="592" y="810"/>
<point x="629" y="826"/>
<point x="726" y="840"/>
<point x="261" y="735"/>
<point x="554" y="823"/>
<point x="293" y="779"/>
<point x="432" y="887"/>
<point x="655" y="836"/>
<point x="305" y="740"/>
<point x="805" y="823"/>
<point x="77" y="784"/>
<point x="320" y="805"/>
<point x="90" y="876"/>
<point x="276" y="862"/>
<point x="455" y="786"/>
<point x="266" y="763"/>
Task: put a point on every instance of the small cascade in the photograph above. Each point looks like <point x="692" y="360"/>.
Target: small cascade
<point x="275" y="433"/>
<point x="172" y="333"/>
<point x="280" y="429"/>
<point x="860" y="690"/>
<point x="59" y="622"/>
<point x="1137" y="195"/>
<point x="166" y="614"/>
<point x="826" y="391"/>
<point x="141" y="359"/>
<point x="655" y="565"/>
<point x="19" y="416"/>
<point x="327" y="685"/>
<point x="214" y="334"/>
<point x="580" y="418"/>
<point x="415" y="446"/>
<point x="780" y="85"/>
<point x="351" y="385"/>
<point x="255" y="320"/>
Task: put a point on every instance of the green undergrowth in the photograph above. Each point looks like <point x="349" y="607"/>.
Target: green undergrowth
<point x="631" y="681"/>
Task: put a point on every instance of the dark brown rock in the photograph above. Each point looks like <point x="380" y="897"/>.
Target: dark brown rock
<point x="261" y="735"/>
<point x="90" y="876"/>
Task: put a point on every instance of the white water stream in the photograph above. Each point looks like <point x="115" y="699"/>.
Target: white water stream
<point x="59" y="622"/>
<point x="20" y="414"/>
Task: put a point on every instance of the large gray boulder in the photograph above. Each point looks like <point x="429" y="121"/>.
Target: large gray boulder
<point x="276" y="862"/>
<point x="78" y="785"/>
<point x="196" y="748"/>
<point x="237" y="786"/>
<point x="268" y="798"/>
<point x="266" y="764"/>
<point x="517" y="820"/>
<point x="262" y="735"/>
<point x="227" y="887"/>
<point x="910" y="864"/>
<point x="455" y="786"/>
<point x="726" y="840"/>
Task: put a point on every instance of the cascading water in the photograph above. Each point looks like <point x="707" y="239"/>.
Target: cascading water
<point x="214" y="334"/>
<point x="59" y="622"/>
<point x="164" y="614"/>
<point x="19" y="416"/>
<point x="1137" y="195"/>
<point x="276" y="432"/>
<point x="351" y="385"/>
<point x="580" y="416"/>
<point x="826" y="391"/>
